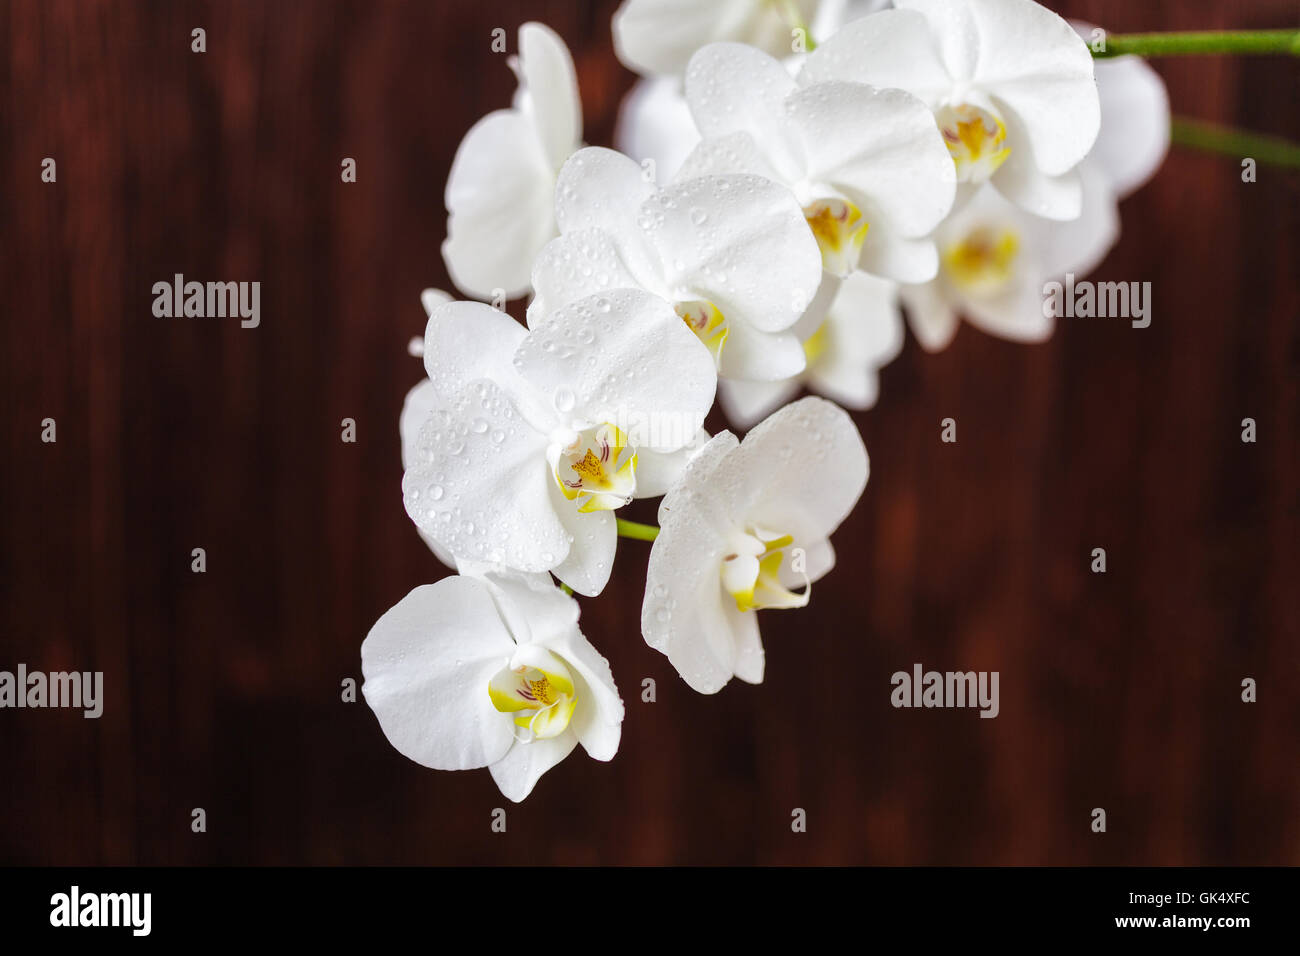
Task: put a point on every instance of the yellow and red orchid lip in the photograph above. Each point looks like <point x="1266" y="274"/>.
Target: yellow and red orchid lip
<point x="708" y="323"/>
<point x="840" y="229"/>
<point x="596" y="468"/>
<point x="751" y="572"/>
<point x="976" y="140"/>
<point x="983" y="261"/>
<point x="541" y="694"/>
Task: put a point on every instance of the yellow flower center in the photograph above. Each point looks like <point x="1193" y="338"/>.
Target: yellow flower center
<point x="751" y="571"/>
<point x="841" y="230"/>
<point x="976" y="139"/>
<point x="595" y="467"/>
<point x="541" y="694"/>
<point x="983" y="262"/>
<point x="707" y="322"/>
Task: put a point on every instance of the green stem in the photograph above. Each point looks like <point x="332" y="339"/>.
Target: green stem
<point x="566" y="589"/>
<point x="1240" y="144"/>
<point x="637" y="530"/>
<point x="1285" y="42"/>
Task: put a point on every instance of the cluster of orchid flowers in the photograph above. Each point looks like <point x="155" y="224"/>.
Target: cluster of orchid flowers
<point x="774" y="207"/>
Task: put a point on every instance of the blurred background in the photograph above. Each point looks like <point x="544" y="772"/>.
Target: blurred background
<point x="1119" y="691"/>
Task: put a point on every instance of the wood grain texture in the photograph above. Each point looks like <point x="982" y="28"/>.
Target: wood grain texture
<point x="1118" y="690"/>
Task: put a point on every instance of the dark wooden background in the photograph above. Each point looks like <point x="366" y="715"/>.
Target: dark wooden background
<point x="223" y="689"/>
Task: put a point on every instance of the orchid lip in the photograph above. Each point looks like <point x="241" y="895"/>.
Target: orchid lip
<point x="751" y="571"/>
<point x="538" y="690"/>
<point x="976" y="139"/>
<point x="595" y="468"/>
<point x="840" y="229"/>
<point x="708" y="323"/>
<point x="983" y="262"/>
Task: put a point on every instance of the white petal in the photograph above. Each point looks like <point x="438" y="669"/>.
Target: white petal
<point x="818" y="559"/>
<point x="427" y="663"/>
<point x="750" y="660"/>
<point x="929" y="313"/>
<point x="533" y="608"/>
<point x="654" y="123"/>
<point x="465" y="342"/>
<point x="684" y="615"/>
<point x="551" y="89"/>
<point x="598" y="717"/>
<point x="800" y="471"/>
<point x="1134" y="135"/>
<point x="601" y="189"/>
<point x="864" y="333"/>
<point x="740" y="242"/>
<point x="892" y="49"/>
<point x="1081" y="244"/>
<point x="697" y="479"/>
<point x="416" y="409"/>
<point x="1016" y="314"/>
<point x="898" y="258"/>
<point x="574" y="266"/>
<point x="1021" y="180"/>
<point x="432" y="298"/>
<point x="623" y="357"/>
<point x="746" y="403"/>
<point x="881" y="148"/>
<point x="419" y="405"/>
<point x="590" y="560"/>
<point x="756" y="356"/>
<point x="1034" y="64"/>
<point x="734" y="88"/>
<point x="733" y="153"/>
<point x="657" y="471"/>
<point x="659" y="36"/>
<point x="499" y="200"/>
<point x="481" y="485"/>
<point x="519" y="770"/>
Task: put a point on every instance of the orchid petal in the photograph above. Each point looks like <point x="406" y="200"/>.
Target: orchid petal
<point x="623" y="357"/>
<point x="500" y="207"/>
<point x="427" y="663"/>
<point x="517" y="772"/>
<point x="482" y="485"/>
<point x="551" y="90"/>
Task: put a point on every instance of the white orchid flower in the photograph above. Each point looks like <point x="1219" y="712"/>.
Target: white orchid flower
<point x="535" y="437"/>
<point x="657" y="37"/>
<point x="654" y="119"/>
<point x="499" y="191"/>
<point x="861" y="333"/>
<point x="997" y="258"/>
<point x="867" y="166"/>
<point x="747" y="523"/>
<point x="731" y="255"/>
<point x="1010" y="83"/>
<point x="490" y="672"/>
